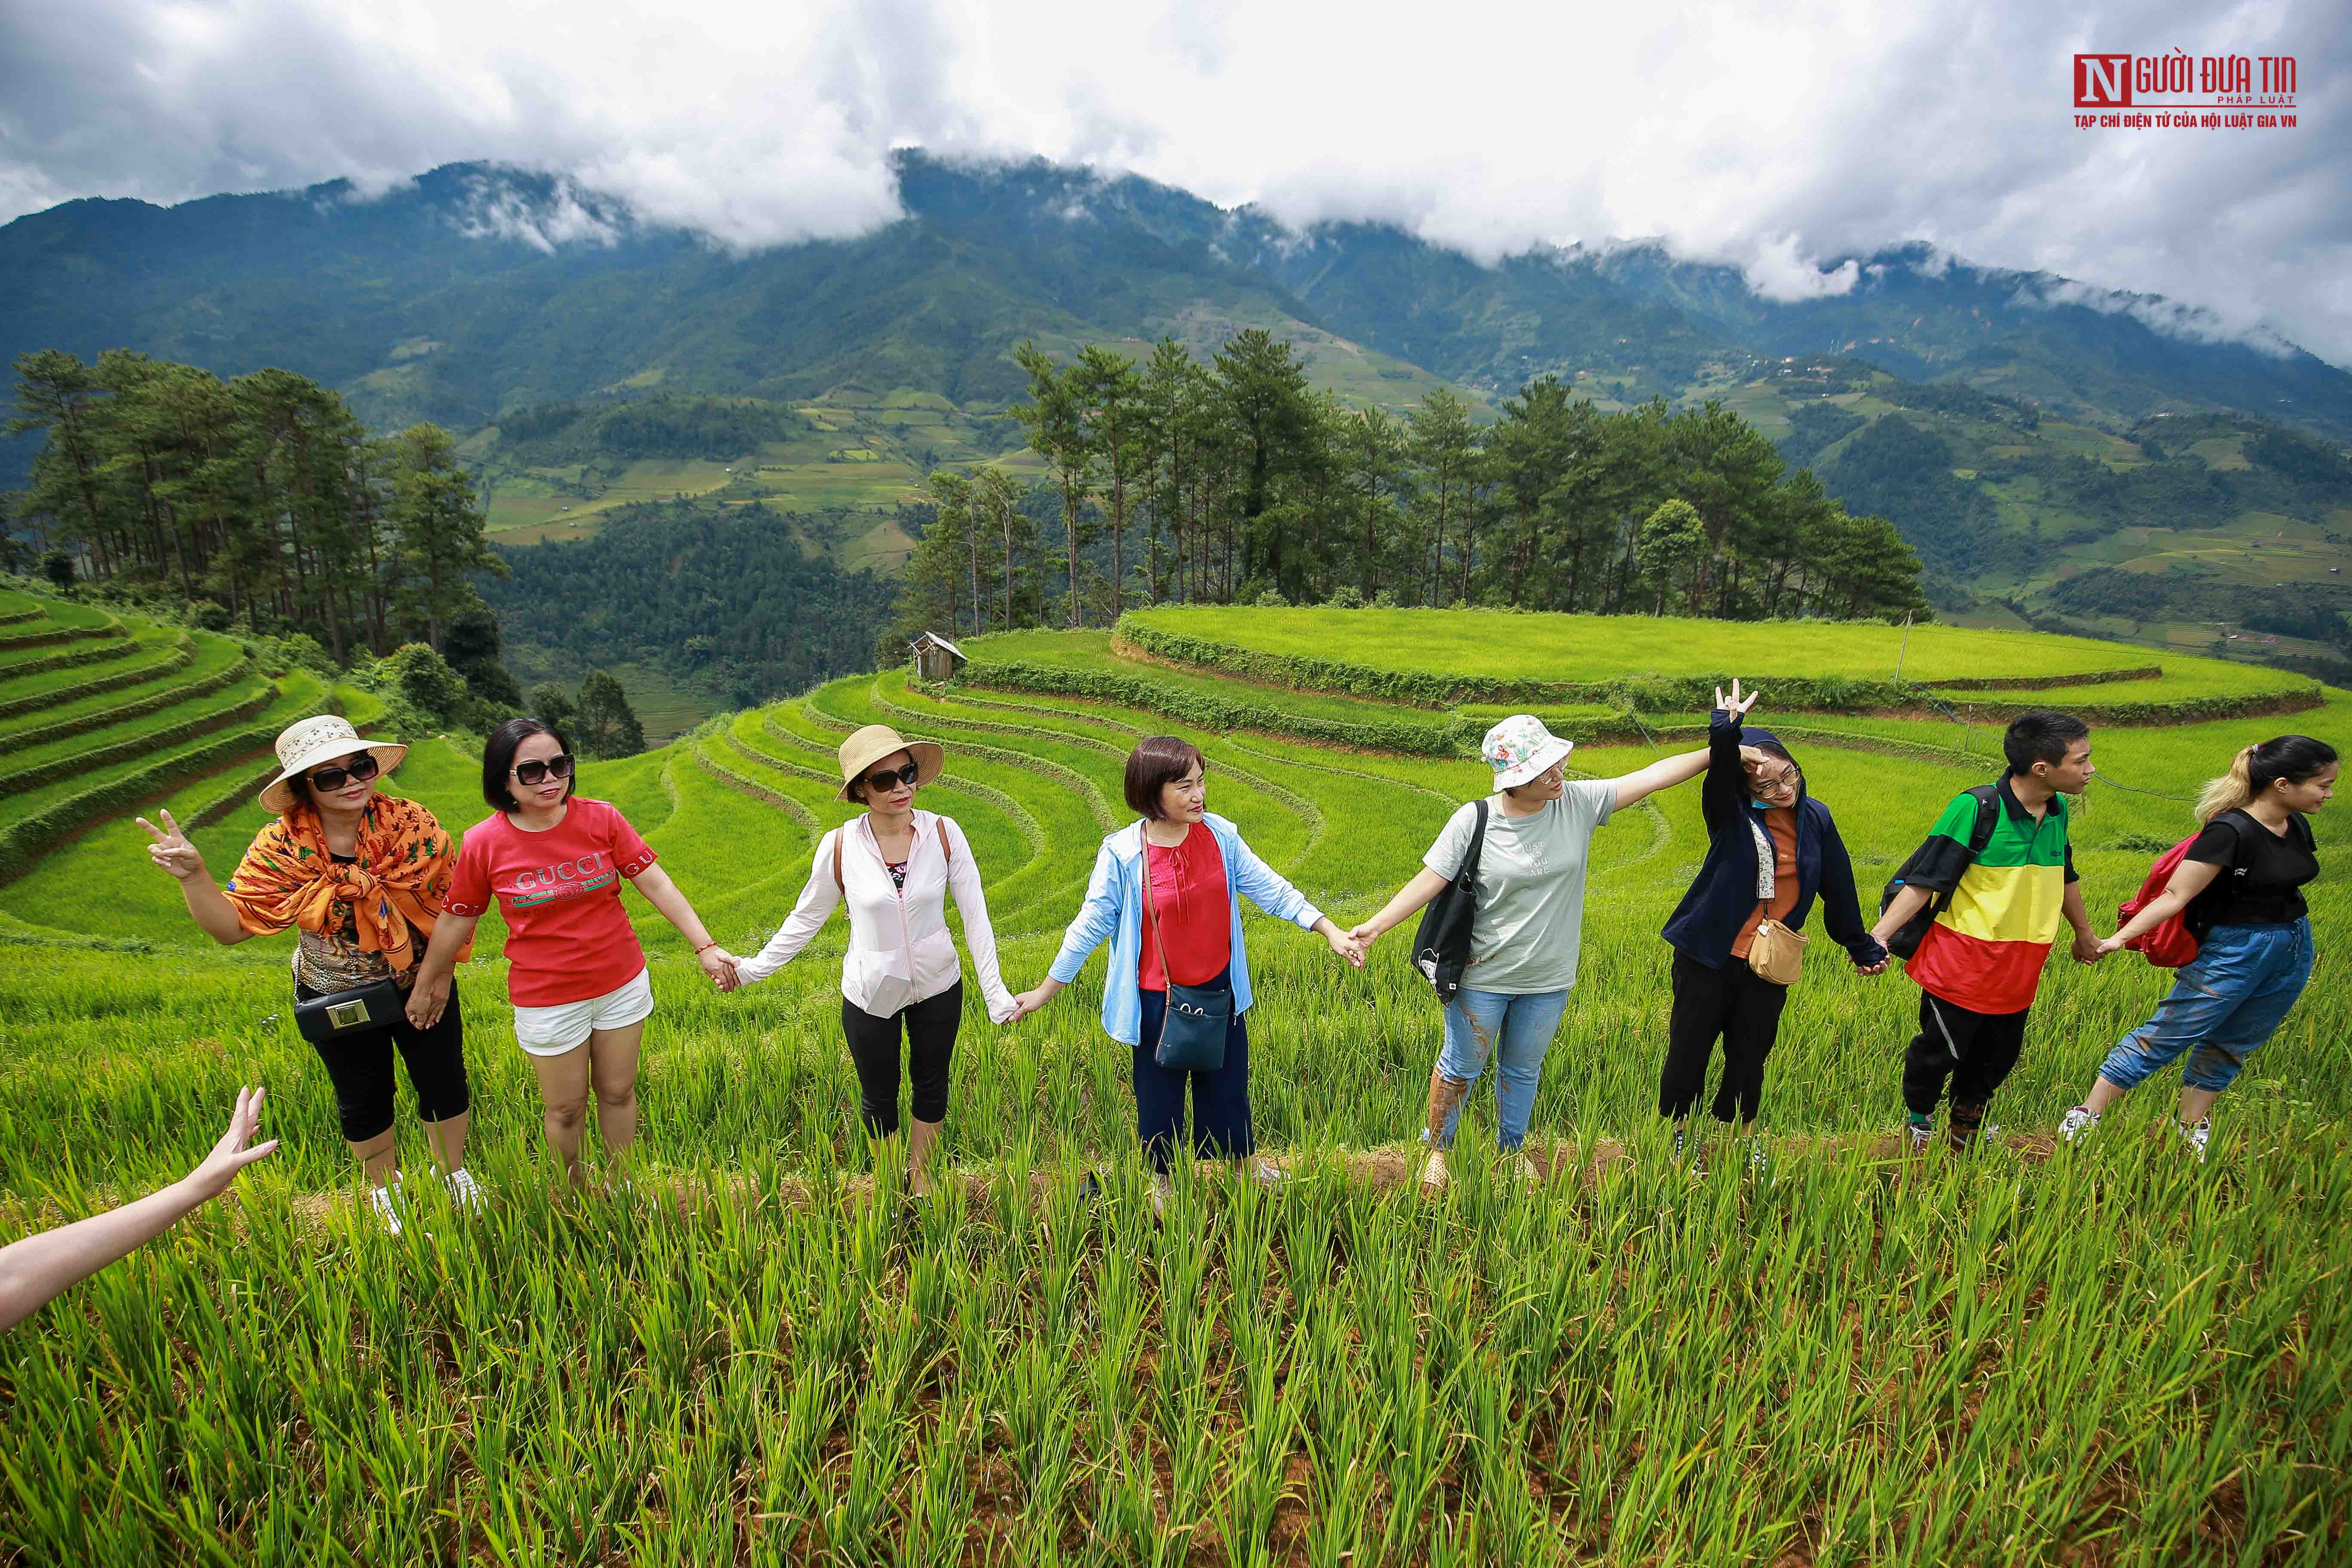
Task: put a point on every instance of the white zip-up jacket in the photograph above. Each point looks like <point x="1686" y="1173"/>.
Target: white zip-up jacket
<point x="900" y="951"/>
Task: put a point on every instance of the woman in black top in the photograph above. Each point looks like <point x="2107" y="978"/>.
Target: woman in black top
<point x="2242" y="886"/>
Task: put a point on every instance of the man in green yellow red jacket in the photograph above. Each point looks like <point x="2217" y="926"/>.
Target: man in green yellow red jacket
<point x="1979" y="964"/>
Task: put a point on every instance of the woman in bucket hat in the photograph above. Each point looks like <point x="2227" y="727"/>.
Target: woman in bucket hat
<point x="363" y="880"/>
<point x="1529" y="920"/>
<point x="894" y="867"/>
<point x="553" y="862"/>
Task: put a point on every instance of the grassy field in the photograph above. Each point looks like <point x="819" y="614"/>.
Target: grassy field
<point x="2107" y="1354"/>
<point x="1598" y="648"/>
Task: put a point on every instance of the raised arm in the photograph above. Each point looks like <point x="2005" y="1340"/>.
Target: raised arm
<point x="40" y="1267"/>
<point x="172" y="851"/>
<point x="1664" y="773"/>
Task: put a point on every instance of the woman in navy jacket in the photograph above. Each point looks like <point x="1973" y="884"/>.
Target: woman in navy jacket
<point x="1771" y="850"/>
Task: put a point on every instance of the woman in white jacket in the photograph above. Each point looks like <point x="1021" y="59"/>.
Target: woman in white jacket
<point x="894" y="866"/>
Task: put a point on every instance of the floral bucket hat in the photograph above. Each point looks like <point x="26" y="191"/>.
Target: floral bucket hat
<point x="1519" y="748"/>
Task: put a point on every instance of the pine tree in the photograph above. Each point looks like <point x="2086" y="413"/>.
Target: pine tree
<point x="605" y="726"/>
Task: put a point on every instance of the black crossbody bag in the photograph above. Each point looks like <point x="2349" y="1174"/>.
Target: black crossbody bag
<point x="1441" y="948"/>
<point x="378" y="1004"/>
<point x="1192" y="1026"/>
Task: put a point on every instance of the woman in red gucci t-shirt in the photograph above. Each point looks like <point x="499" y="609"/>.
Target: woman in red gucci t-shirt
<point x="553" y="863"/>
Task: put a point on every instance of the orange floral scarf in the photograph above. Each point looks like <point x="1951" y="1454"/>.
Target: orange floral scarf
<point x="401" y="879"/>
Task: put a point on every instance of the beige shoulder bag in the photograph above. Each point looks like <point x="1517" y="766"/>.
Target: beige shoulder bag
<point x="1775" y="953"/>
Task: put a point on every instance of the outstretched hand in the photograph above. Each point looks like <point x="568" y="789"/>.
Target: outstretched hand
<point x="219" y="1169"/>
<point x="1736" y="705"/>
<point x="171" y="850"/>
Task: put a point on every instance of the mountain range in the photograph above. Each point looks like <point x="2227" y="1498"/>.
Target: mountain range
<point x="477" y="293"/>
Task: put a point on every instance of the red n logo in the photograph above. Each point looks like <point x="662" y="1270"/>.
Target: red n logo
<point x="2103" y="81"/>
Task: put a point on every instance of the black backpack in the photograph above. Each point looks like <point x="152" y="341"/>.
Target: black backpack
<point x="1441" y="948"/>
<point x="1910" y="933"/>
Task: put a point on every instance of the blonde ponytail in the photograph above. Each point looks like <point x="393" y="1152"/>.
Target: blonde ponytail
<point x="2233" y="791"/>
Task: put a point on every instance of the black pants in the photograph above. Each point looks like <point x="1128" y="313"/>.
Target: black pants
<point x="1975" y="1050"/>
<point x="931" y="1025"/>
<point x="1220" y="1108"/>
<point x="359" y="1067"/>
<point x="1733" y="1004"/>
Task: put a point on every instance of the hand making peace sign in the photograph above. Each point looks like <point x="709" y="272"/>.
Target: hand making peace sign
<point x="171" y="850"/>
<point x="1738" y="706"/>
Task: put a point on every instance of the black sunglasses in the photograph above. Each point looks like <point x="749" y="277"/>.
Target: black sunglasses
<point x="882" y="781"/>
<point x="536" y="772"/>
<point x="333" y="778"/>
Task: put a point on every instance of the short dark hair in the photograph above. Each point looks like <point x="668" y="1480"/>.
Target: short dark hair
<point x="1157" y="762"/>
<point x="499" y="754"/>
<point x="2039" y="735"/>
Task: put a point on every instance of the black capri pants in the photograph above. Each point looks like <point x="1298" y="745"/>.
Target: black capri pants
<point x="931" y="1027"/>
<point x="359" y="1067"/>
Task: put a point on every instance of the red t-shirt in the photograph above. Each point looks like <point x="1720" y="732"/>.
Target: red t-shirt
<point x="1195" y="913"/>
<point x="568" y="939"/>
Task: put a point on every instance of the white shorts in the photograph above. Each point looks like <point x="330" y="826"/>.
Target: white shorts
<point x="552" y="1031"/>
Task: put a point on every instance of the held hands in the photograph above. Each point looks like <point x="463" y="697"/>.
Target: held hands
<point x="219" y="1169"/>
<point x="2089" y="949"/>
<point x="170" y="849"/>
<point x="1737" y="705"/>
<point x="1365" y="933"/>
<point x="1346" y="944"/>
<point x="719" y="964"/>
<point x="1026" y="1003"/>
<point x="1866" y="970"/>
<point x="426" y="998"/>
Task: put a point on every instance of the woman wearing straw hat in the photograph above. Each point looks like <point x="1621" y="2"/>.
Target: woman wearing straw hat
<point x="1528" y="922"/>
<point x="894" y="867"/>
<point x="362" y="880"/>
<point x="553" y="863"/>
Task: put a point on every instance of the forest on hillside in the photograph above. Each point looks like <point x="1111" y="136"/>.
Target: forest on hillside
<point x="1175" y="481"/>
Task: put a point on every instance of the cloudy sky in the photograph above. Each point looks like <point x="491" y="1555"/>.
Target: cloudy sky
<point x="1770" y="135"/>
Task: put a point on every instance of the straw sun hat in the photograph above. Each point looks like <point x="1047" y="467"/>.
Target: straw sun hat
<point x="305" y="744"/>
<point x="876" y="741"/>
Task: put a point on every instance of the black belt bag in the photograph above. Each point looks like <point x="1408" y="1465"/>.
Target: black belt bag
<point x="340" y="1014"/>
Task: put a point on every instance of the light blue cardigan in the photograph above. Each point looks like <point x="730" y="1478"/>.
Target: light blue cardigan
<point x="1114" y="908"/>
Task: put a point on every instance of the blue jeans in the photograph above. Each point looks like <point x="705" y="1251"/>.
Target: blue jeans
<point x="2227" y="1001"/>
<point x="1515" y="1029"/>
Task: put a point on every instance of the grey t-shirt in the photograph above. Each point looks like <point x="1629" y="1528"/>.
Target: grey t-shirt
<point x="1531" y="888"/>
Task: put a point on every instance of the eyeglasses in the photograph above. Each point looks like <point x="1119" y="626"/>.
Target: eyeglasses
<point x="1773" y="784"/>
<point x="889" y="778"/>
<point x="536" y="772"/>
<point x="331" y="779"/>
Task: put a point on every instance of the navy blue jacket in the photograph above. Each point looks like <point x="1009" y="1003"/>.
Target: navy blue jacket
<point x="1723" y="895"/>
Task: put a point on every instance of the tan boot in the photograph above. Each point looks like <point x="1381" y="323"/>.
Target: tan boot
<point x="921" y="1136"/>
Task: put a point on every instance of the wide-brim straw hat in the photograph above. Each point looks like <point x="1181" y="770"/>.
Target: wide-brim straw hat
<point x="1520" y="747"/>
<point x="308" y="743"/>
<point x="876" y="741"/>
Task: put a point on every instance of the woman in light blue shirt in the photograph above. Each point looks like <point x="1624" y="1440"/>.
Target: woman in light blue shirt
<point x="1200" y="869"/>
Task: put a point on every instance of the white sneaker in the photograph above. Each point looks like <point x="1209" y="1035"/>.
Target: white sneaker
<point x="385" y="1206"/>
<point x="1164" y="1191"/>
<point x="1521" y="1168"/>
<point x="1758" y="1160"/>
<point x="2076" y="1123"/>
<point x="2197" y="1136"/>
<point x="1266" y="1173"/>
<point x="1435" y="1177"/>
<point x="464" y="1191"/>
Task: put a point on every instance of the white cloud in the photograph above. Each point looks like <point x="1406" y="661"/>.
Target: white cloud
<point x="1766" y="136"/>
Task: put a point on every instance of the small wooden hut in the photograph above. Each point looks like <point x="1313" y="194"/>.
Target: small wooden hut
<point x="936" y="658"/>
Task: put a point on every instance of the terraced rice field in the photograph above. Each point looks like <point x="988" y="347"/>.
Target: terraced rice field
<point x="2108" y="1355"/>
